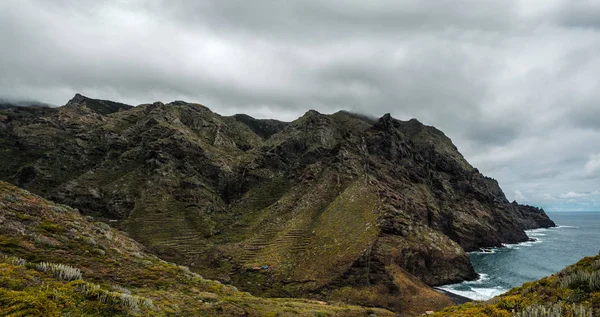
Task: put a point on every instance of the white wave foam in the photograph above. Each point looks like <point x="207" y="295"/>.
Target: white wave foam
<point x="567" y="227"/>
<point x="517" y="246"/>
<point x="485" y="251"/>
<point x="529" y="243"/>
<point x="536" y="232"/>
<point x="482" y="278"/>
<point x="476" y="293"/>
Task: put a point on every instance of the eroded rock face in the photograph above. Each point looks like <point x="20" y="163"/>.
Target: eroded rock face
<point x="329" y="203"/>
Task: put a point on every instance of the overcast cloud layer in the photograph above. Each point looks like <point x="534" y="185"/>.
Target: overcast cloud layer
<point x="515" y="84"/>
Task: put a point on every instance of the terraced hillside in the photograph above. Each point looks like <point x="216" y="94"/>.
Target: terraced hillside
<point x="55" y="262"/>
<point x="329" y="204"/>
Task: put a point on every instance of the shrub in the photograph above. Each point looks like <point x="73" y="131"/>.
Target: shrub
<point x="596" y="265"/>
<point x="576" y="279"/>
<point x="582" y="280"/>
<point x="121" y="289"/>
<point x="11" y="198"/>
<point x="45" y="241"/>
<point x="595" y="281"/>
<point x="20" y="303"/>
<point x="102" y="225"/>
<point x="556" y="310"/>
<point x="58" y="209"/>
<point x="130" y="302"/>
<point x="122" y="297"/>
<point x="60" y="271"/>
<point x="13" y="260"/>
<point x="510" y="302"/>
<point x="89" y="241"/>
<point x="51" y="227"/>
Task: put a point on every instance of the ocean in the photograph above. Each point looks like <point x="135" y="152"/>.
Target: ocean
<point x="500" y="269"/>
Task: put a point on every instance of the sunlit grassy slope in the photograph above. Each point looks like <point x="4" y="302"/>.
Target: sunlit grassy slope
<point x="54" y="262"/>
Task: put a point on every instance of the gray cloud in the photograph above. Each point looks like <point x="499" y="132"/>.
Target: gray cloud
<point x="314" y="20"/>
<point x="581" y="13"/>
<point x="513" y="83"/>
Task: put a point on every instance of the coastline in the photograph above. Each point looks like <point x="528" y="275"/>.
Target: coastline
<point x="545" y="253"/>
<point x="460" y="298"/>
<point x="457" y="299"/>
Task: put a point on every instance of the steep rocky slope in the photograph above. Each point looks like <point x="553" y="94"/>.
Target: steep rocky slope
<point x="337" y="206"/>
<point x="55" y="262"/>
<point x="574" y="291"/>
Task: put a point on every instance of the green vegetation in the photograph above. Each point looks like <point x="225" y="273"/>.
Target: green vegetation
<point x="60" y="271"/>
<point x="90" y="269"/>
<point x="572" y="292"/>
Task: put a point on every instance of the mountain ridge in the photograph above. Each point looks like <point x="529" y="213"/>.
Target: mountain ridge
<point x="338" y="206"/>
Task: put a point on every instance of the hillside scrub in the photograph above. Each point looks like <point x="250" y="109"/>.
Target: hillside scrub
<point x="90" y="269"/>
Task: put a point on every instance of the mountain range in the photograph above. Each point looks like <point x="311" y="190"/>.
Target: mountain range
<point x="338" y="207"/>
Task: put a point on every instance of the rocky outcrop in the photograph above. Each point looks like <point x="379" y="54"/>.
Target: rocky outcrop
<point x="102" y="107"/>
<point x="264" y="128"/>
<point x="334" y="205"/>
<point x="532" y="217"/>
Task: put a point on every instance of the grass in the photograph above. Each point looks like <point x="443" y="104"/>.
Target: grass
<point x="71" y="278"/>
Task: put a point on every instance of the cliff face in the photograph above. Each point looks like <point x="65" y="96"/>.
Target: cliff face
<point x="338" y="206"/>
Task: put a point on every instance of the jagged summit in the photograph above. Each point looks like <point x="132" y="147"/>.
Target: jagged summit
<point x="78" y="98"/>
<point x="354" y="115"/>
<point x="264" y="128"/>
<point x="103" y="107"/>
<point x="311" y="112"/>
<point x="178" y="103"/>
<point x="336" y="206"/>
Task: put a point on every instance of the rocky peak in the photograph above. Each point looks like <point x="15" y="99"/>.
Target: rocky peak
<point x="156" y="104"/>
<point x="311" y="112"/>
<point x="78" y="98"/>
<point x="312" y="119"/>
<point x="386" y="123"/>
<point x="102" y="107"/>
<point x="264" y="128"/>
<point x="178" y="103"/>
<point x="355" y="116"/>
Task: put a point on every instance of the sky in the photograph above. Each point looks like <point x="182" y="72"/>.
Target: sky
<point x="514" y="83"/>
